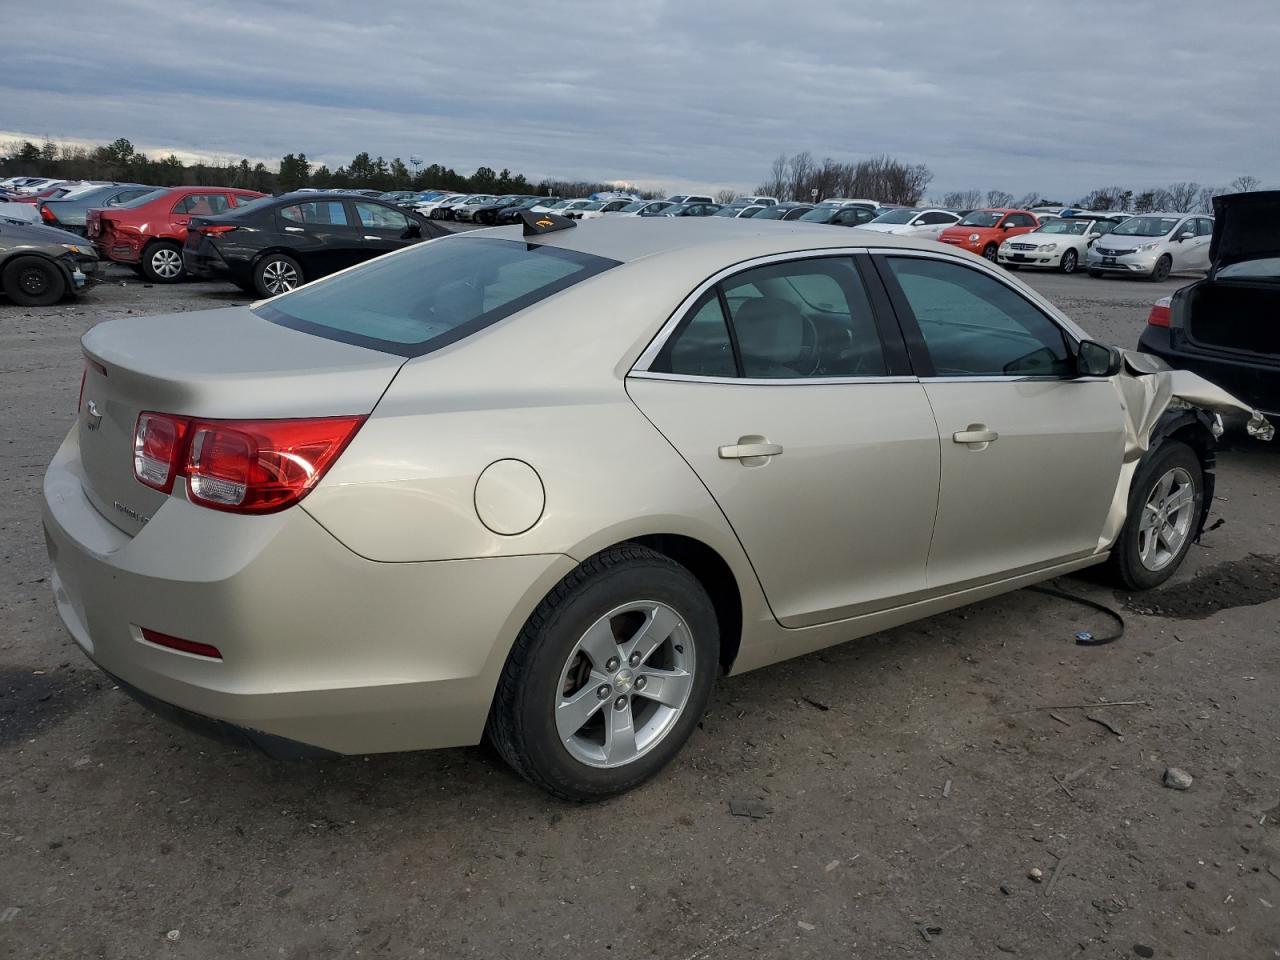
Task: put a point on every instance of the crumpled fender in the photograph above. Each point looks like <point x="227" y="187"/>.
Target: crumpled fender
<point x="1151" y="393"/>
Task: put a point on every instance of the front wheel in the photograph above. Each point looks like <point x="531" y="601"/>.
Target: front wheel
<point x="1162" y="269"/>
<point x="162" y="262"/>
<point x="609" y="676"/>
<point x="33" y="282"/>
<point x="1166" y="501"/>
<point x="276" y="273"/>
<point x="1070" y="260"/>
<point x="990" y="251"/>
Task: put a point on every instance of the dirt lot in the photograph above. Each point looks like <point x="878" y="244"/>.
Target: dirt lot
<point x="909" y="783"/>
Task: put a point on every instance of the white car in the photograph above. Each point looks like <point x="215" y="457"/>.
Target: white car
<point x="754" y="202"/>
<point x="846" y="202"/>
<point x="21" y="212"/>
<point x="425" y="207"/>
<point x="1059" y="243"/>
<point x="598" y="208"/>
<point x="570" y="207"/>
<point x="643" y="208"/>
<point x="466" y="209"/>
<point x="1154" y="245"/>
<point x="689" y="198"/>
<point x="908" y="222"/>
<point x="550" y="205"/>
<point x="734" y="211"/>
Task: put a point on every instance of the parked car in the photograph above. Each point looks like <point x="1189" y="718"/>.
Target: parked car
<point x="850" y="216"/>
<point x="466" y="209"/>
<point x="689" y="198"/>
<point x="784" y="211"/>
<point x="753" y="201"/>
<point x="1059" y="243"/>
<point x="72" y="213"/>
<point x="598" y="208"/>
<point x="688" y="210"/>
<point x="1154" y="245"/>
<point x="487" y="212"/>
<point x="643" y="208"/>
<point x="402" y="507"/>
<point x="568" y="207"/>
<point x="982" y="231"/>
<point x="550" y="205"/>
<point x="512" y="213"/>
<point x="1224" y="326"/>
<point x="19" y="212"/>
<point x="147" y="233"/>
<point x="397" y="196"/>
<point x="910" y="222"/>
<point x="275" y="244"/>
<point x="40" y="265"/>
<point x="444" y="209"/>
<point x="846" y="202"/>
<point x="737" y="212"/>
<point x="427" y="208"/>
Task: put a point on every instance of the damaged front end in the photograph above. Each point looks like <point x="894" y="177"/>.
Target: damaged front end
<point x="1161" y="402"/>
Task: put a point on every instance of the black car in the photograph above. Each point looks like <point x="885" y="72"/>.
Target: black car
<point x="71" y="214"/>
<point x="274" y="244"/>
<point x="487" y="213"/>
<point x="784" y="211"/>
<point x="849" y="216"/>
<point x="1224" y="327"/>
<point x="698" y="209"/>
<point x="40" y="265"/>
<point x="512" y="213"/>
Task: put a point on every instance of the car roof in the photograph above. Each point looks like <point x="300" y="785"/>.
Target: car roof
<point x="735" y="238"/>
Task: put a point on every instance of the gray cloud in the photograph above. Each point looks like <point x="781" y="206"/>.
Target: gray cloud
<point x="989" y="93"/>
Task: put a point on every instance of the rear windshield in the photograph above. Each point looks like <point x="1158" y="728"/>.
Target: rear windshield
<point x="144" y="199"/>
<point x="432" y="294"/>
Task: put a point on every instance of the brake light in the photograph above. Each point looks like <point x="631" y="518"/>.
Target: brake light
<point x="215" y="229"/>
<point x="1161" y="313"/>
<point x="242" y="466"/>
<point x="47" y="215"/>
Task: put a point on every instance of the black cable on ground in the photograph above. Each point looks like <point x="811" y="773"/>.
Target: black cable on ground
<point x="1084" y="638"/>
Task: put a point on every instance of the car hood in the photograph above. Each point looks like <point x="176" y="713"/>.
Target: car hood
<point x="35" y="233"/>
<point x="1245" y="227"/>
<point x="955" y="230"/>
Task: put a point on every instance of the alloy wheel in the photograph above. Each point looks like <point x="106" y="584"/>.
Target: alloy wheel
<point x="166" y="263"/>
<point x="625" y="684"/>
<point x="279" y="276"/>
<point x="1069" y="261"/>
<point x="1166" y="519"/>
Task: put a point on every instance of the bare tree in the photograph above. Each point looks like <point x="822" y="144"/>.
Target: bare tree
<point x="1182" y="196"/>
<point x="1204" y="203"/>
<point x="1245" y="184"/>
<point x="1027" y="201"/>
<point x="962" y="199"/>
<point x="725" y="196"/>
<point x="999" y="198"/>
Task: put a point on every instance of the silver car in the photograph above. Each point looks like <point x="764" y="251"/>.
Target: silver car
<point x="546" y="483"/>
<point x="1153" y="245"/>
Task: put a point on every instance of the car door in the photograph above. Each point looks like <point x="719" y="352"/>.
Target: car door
<point x="1016" y="223"/>
<point x="1197" y="254"/>
<point x="932" y="224"/>
<point x="792" y="401"/>
<point x="208" y="204"/>
<point x="1031" y="454"/>
<point x="384" y="229"/>
<point x="320" y="235"/>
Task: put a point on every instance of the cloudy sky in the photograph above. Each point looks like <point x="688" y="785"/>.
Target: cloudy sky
<point x="1022" y="95"/>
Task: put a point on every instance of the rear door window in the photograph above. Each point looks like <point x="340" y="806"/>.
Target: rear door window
<point x="377" y="217"/>
<point x="203" y="204"/>
<point x="432" y="294"/>
<point x="328" y="212"/>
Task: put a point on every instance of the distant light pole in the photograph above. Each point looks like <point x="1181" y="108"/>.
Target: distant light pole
<point x="417" y="164"/>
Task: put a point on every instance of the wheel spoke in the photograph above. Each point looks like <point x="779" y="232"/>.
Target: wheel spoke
<point x="599" y="645"/>
<point x="573" y="713"/>
<point x="620" y="735"/>
<point x="1162" y="488"/>
<point x="1147" y="545"/>
<point x="655" y="631"/>
<point x="1179" y="499"/>
<point x="668" y="687"/>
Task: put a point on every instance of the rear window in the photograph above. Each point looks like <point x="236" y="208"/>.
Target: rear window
<point x="433" y="294"/>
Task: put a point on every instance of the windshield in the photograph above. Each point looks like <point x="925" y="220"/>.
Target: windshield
<point x="752" y="211"/>
<point x="432" y="294"/>
<point x="1074" y="227"/>
<point x="981" y="218"/>
<point x="727" y="212"/>
<point x="143" y="200"/>
<point x="1146" y="227"/>
<point x="559" y="205"/>
<point x="897" y="216"/>
<point x="820" y="214"/>
<point x="595" y="205"/>
<point x="633" y="207"/>
<point x="773" y="213"/>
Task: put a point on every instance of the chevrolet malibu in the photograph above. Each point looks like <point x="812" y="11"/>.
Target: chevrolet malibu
<point x="546" y="483"/>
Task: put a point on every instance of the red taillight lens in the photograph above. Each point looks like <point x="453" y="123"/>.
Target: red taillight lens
<point x="47" y="215"/>
<point x="215" y="229"/>
<point x="244" y="466"/>
<point x="1161" y="312"/>
<point x="157" y="445"/>
<point x="177" y="643"/>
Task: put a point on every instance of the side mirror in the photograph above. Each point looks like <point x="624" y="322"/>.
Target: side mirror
<point x="413" y="231"/>
<point x="1097" y="360"/>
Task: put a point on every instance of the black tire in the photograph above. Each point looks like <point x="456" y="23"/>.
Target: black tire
<point x="990" y="252"/>
<point x="33" y="282"/>
<point x="522" y="720"/>
<point x="1069" y="262"/>
<point x="1163" y="267"/>
<point x="162" y="262"/>
<point x="1125" y="567"/>
<point x="277" y="273"/>
<point x="1095" y="273"/>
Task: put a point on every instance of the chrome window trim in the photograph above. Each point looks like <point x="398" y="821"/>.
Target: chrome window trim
<point x="655" y="346"/>
<point x="765" y="381"/>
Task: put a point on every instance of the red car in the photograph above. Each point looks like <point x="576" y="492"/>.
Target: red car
<point x="147" y="234"/>
<point x="981" y="231"/>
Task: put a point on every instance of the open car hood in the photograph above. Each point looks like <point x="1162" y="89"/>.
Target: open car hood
<point x="1246" y="227"/>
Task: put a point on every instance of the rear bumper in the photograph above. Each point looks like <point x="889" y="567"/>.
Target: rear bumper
<point x="319" y="646"/>
<point x="1257" y="384"/>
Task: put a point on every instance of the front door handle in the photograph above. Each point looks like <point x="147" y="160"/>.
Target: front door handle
<point x="975" y="433"/>
<point x="752" y="448"/>
<point x="293" y="230"/>
<point x="367" y="237"/>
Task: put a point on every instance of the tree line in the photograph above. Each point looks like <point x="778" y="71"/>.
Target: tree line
<point x="882" y="178"/>
<point x="1183" y="197"/>
<point x="120" y="161"/>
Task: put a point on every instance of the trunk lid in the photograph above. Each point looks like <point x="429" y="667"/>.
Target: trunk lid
<point x="1245" y="228"/>
<point x="215" y="364"/>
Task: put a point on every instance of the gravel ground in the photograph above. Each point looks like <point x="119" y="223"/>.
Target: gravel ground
<point x="908" y="783"/>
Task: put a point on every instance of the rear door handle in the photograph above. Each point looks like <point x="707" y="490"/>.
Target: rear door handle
<point x="294" y="230"/>
<point x="367" y="237"/>
<point x="740" y="451"/>
<point x="975" y="433"/>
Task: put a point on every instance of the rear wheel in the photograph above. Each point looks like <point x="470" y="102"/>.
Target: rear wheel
<point x="990" y="251"/>
<point x="1070" y="260"/>
<point x="1165" y="503"/>
<point x="609" y="677"/>
<point x="33" y="282"/>
<point x="1162" y="269"/>
<point x="277" y="273"/>
<point x="162" y="262"/>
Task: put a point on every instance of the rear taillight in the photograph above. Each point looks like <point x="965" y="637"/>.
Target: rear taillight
<point x="215" y="229"/>
<point x="243" y="466"/>
<point x="1161" y="313"/>
<point x="47" y="215"/>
